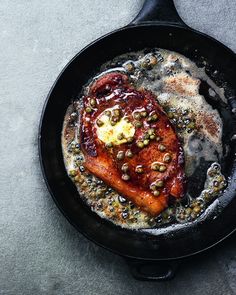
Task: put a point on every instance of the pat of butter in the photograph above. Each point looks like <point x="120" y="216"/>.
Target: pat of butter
<point x="109" y="134"/>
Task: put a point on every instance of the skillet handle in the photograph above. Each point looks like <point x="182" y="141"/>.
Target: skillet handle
<point x="145" y="270"/>
<point x="158" y="11"/>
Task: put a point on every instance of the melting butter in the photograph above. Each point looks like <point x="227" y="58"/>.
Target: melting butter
<point x="116" y="134"/>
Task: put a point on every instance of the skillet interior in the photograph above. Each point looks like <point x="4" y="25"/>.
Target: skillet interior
<point x="163" y="244"/>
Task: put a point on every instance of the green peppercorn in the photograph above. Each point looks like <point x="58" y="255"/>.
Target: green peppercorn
<point x="144" y="114"/>
<point x="120" y="155"/>
<point x="159" y="183"/>
<point x="161" y="148"/>
<point x="125" y="167"/>
<point x="129" y="154"/>
<point x="138" y="124"/>
<point x="125" y="177"/>
<point x="152" y="136"/>
<point x="92" y="102"/>
<point x="88" y="110"/>
<point x="146" y="136"/>
<point x="140" y="144"/>
<point x="158" y="138"/>
<point x="120" y="136"/>
<point x="156" y="193"/>
<point x="109" y="145"/>
<point x="139" y="169"/>
<point x="155" y="166"/>
<point x="167" y="158"/>
<point x="100" y="123"/>
<point x="149" y="119"/>
<point x="146" y="142"/>
<point x="162" y="168"/>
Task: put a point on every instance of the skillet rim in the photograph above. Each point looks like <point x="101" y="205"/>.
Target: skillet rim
<point x="40" y="143"/>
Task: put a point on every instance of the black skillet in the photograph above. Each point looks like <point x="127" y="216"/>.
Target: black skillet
<point x="157" y="25"/>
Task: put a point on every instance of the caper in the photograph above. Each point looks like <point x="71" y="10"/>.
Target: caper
<point x="130" y="139"/>
<point x="117" y="112"/>
<point x="161" y="147"/>
<point x="153" y="60"/>
<point x="112" y="123"/>
<point x="146" y="142"/>
<point x="125" y="167"/>
<point x="137" y="116"/>
<point x="76" y="150"/>
<point x="155" y="166"/>
<point x="99" y="122"/>
<point x="159" y="183"/>
<point x="125" y="177"/>
<point x="88" y="110"/>
<point x="170" y="115"/>
<point x="197" y="209"/>
<point x="77" y="178"/>
<point x="99" y="192"/>
<point x="156" y="193"/>
<point x="162" y="168"/>
<point x="115" y="119"/>
<point x="129" y="66"/>
<point x="109" y="145"/>
<point x="146" y="136"/>
<point x="151" y="131"/>
<point x="129" y="154"/>
<point x="72" y="172"/>
<point x="92" y="102"/>
<point x="108" y="113"/>
<point x="153" y="187"/>
<point x="152" y="136"/>
<point x="120" y="136"/>
<point x="151" y="222"/>
<point x="138" y="124"/>
<point x="144" y="114"/>
<point x="154" y="117"/>
<point x="191" y="125"/>
<point x="120" y="155"/>
<point x="167" y="158"/>
<point x="139" y="169"/>
<point x="140" y="144"/>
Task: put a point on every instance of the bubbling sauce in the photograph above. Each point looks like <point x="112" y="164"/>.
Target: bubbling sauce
<point x="175" y="81"/>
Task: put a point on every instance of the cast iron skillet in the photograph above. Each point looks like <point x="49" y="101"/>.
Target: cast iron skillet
<point x="157" y="25"/>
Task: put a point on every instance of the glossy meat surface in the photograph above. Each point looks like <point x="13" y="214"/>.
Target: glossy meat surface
<point x="149" y="167"/>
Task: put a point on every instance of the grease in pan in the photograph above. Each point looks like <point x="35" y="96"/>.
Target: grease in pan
<point x="174" y="81"/>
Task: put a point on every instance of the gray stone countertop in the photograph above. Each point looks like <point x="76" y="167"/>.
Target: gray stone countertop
<point x="40" y="252"/>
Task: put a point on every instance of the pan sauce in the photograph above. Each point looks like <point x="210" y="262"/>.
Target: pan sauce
<point x="175" y="81"/>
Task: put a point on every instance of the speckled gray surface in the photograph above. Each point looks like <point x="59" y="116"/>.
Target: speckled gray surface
<point x="40" y="253"/>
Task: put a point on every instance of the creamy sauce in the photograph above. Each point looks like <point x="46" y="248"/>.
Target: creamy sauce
<point x="175" y="80"/>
